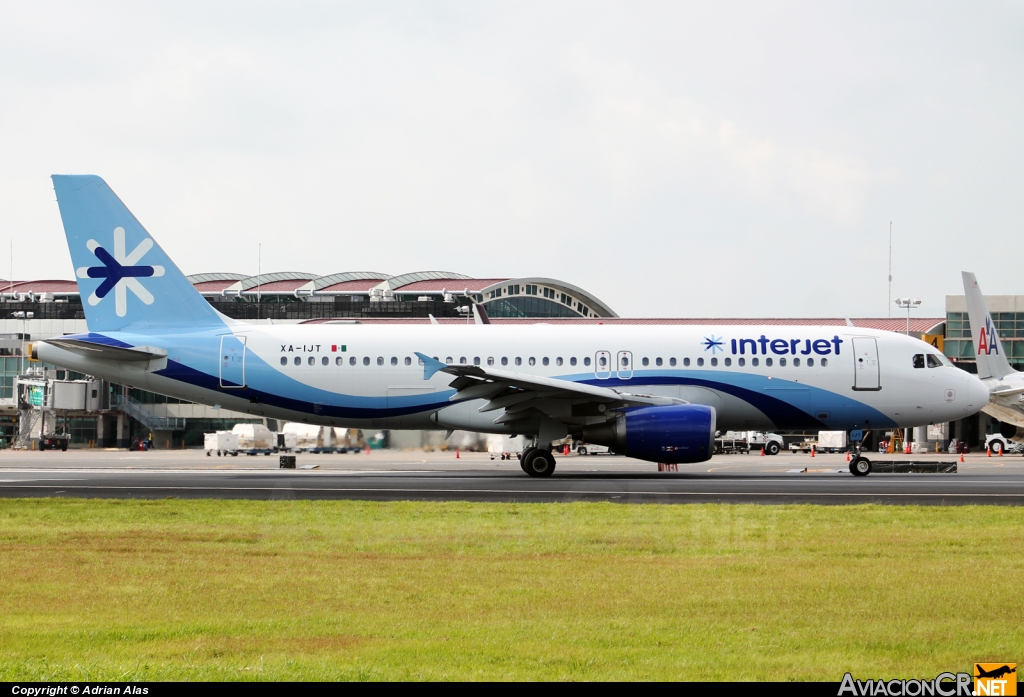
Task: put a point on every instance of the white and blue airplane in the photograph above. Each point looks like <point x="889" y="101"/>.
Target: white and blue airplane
<point x="657" y="393"/>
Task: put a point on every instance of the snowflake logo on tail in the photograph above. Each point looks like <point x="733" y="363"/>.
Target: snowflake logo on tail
<point x="713" y="344"/>
<point x="120" y="272"/>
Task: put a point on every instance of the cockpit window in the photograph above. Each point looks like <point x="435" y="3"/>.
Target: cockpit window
<point x="918" y="360"/>
<point x="934" y="361"/>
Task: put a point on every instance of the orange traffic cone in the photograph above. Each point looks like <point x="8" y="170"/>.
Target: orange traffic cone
<point x="367" y="450"/>
<point x="565" y="449"/>
<point x="456" y="453"/>
<point x="762" y="451"/>
<point x="847" y="455"/>
<point x="961" y="457"/>
<point x="988" y="452"/>
<point x="812" y="451"/>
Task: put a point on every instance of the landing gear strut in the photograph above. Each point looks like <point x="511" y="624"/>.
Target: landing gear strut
<point x="538" y="462"/>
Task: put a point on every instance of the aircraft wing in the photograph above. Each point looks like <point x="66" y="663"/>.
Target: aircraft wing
<point x="112" y="353"/>
<point x="519" y="394"/>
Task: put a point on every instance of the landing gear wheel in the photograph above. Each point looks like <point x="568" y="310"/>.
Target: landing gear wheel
<point x="860" y="466"/>
<point x="528" y="452"/>
<point x="539" y="463"/>
<point x="771" y="448"/>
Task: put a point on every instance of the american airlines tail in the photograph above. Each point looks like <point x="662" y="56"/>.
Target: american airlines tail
<point x="1005" y="385"/>
<point x="114" y="255"/>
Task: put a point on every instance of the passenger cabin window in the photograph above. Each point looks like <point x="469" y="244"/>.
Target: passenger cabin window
<point x="824" y="362"/>
<point x="545" y="360"/>
<point x="645" y="361"/>
<point x="586" y="360"/>
<point x="394" y="360"/>
<point x="657" y="362"/>
<point x="408" y="360"/>
<point x="339" y="361"/>
<point x="768" y="362"/>
<point x="700" y="361"/>
<point x="519" y="361"/>
<point x="325" y="360"/>
<point x="933" y="361"/>
<point x="672" y="361"/>
<point x="284" y="360"/>
<point x="796" y="362"/>
<point x="558" y="361"/>
<point x="462" y="360"/>
<point x="533" y="361"/>
<point x="366" y="360"/>
<point x="449" y="360"/>
<point x="504" y="360"/>
<point x="810" y="362"/>
<point x="352" y="360"/>
<point x="490" y="360"/>
<point x="754" y="361"/>
<point x="311" y="360"/>
<point x="714" y="361"/>
<point x="298" y="361"/>
<point x="728" y="361"/>
<point x="572" y="361"/>
<point x="686" y="362"/>
<point x="603" y="361"/>
<point x="742" y="361"/>
<point x="380" y="360"/>
<point x="782" y="361"/>
<point x="476" y="360"/>
<point x="918" y="360"/>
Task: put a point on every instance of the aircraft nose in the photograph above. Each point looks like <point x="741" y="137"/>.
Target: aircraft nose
<point x="977" y="393"/>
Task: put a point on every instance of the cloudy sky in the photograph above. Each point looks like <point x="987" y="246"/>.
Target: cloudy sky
<point x="676" y="159"/>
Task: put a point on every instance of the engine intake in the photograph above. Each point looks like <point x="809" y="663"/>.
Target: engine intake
<point x="677" y="433"/>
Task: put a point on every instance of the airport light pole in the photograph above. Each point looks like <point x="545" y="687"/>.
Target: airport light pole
<point x="908" y="304"/>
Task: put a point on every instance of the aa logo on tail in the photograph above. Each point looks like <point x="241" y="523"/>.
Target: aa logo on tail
<point x="987" y="343"/>
<point x="120" y="272"/>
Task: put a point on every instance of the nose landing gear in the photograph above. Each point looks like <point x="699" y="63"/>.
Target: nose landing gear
<point x="860" y="466"/>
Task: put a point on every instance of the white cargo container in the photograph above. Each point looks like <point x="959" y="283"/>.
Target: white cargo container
<point x="254" y="437"/>
<point x="831" y="441"/>
<point x="221" y="442"/>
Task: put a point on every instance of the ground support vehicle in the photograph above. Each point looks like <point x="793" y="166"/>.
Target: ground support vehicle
<point x="582" y="448"/>
<point x="54" y="441"/>
<point x="997" y="444"/>
<point x="731" y="446"/>
<point x="756" y="440"/>
<point x="221" y="442"/>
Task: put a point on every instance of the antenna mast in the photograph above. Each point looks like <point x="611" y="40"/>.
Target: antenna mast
<point x="888" y="303"/>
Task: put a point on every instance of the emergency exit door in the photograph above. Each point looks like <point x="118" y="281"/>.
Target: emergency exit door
<point x="866" y="374"/>
<point x="232" y="361"/>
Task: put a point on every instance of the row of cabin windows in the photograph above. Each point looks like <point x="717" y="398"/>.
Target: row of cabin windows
<point x="602" y="361"/>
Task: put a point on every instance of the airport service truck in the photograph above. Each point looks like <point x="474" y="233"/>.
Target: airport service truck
<point x="745" y="441"/>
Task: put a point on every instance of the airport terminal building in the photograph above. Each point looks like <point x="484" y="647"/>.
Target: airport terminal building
<point x="114" y="415"/>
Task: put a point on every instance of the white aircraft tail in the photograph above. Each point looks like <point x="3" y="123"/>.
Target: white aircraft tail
<point x="988" y="350"/>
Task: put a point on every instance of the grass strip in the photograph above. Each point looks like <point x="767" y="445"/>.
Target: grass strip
<point x="328" y="590"/>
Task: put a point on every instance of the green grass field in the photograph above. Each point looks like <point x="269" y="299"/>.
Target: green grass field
<point x="175" y="589"/>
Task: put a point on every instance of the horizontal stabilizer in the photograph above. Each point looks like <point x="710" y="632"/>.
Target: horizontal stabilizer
<point x="110" y="353"/>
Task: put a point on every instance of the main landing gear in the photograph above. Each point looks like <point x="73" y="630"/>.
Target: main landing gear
<point x="860" y="466"/>
<point x="537" y="462"/>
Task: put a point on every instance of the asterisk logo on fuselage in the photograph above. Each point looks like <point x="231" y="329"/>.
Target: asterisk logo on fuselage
<point x="714" y="344"/>
<point x="120" y="272"/>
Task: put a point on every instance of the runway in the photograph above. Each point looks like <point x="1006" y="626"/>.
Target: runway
<point x="389" y="476"/>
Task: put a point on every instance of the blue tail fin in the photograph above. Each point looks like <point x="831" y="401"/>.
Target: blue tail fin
<point x="124" y="277"/>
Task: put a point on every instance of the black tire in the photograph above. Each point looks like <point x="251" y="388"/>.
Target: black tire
<point x="539" y="463"/>
<point x="581" y="450"/>
<point x="860" y="466"/>
<point x="524" y="455"/>
<point x="771" y="448"/>
<point x="997" y="447"/>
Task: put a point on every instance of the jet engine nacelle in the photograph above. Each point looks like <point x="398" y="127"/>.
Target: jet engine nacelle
<point x="1014" y="433"/>
<point x="677" y="433"/>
